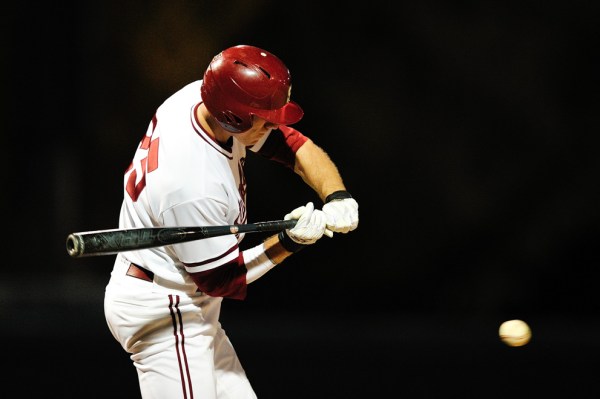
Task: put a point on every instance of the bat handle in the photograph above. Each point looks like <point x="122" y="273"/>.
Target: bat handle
<point x="274" y="225"/>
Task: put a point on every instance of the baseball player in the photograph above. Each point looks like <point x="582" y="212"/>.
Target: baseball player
<point x="162" y="304"/>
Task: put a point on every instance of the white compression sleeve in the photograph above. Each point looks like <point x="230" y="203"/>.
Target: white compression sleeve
<point x="257" y="263"/>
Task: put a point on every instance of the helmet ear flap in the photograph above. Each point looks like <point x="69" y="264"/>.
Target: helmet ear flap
<point x="233" y="123"/>
<point x="232" y="118"/>
<point x="242" y="81"/>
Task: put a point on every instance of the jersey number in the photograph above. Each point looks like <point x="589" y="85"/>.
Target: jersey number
<point x="147" y="164"/>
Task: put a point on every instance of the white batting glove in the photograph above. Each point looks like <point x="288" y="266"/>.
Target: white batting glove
<point x="342" y="214"/>
<point x="310" y="226"/>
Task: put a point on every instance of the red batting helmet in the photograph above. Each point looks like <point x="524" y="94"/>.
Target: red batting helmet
<point x="243" y="81"/>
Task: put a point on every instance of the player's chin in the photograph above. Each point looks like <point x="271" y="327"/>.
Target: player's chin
<point x="250" y="143"/>
<point x="264" y="130"/>
<point x="255" y="138"/>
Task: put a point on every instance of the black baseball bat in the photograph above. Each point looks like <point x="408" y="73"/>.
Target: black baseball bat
<point x="107" y="242"/>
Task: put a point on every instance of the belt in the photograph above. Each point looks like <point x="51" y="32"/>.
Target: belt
<point x="139" y="272"/>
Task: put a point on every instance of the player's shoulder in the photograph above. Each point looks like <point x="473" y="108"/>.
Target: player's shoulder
<point x="191" y="90"/>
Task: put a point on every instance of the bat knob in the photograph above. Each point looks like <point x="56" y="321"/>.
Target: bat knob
<point x="75" y="245"/>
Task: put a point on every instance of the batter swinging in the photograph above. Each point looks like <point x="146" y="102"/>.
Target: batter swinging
<point x="163" y="304"/>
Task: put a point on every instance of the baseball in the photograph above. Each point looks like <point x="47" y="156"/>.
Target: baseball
<point x="515" y="332"/>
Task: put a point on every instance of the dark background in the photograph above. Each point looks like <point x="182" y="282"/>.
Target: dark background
<point x="466" y="130"/>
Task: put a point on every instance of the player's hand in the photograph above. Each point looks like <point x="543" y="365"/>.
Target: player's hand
<point x="310" y="226"/>
<point x="342" y="215"/>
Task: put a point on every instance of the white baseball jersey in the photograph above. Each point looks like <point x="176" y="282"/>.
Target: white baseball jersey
<point x="180" y="176"/>
<point x="184" y="178"/>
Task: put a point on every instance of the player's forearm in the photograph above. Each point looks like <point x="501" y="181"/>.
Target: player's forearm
<point x="317" y="170"/>
<point x="263" y="257"/>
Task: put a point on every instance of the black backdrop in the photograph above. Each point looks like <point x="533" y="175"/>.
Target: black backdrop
<point x="467" y="131"/>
